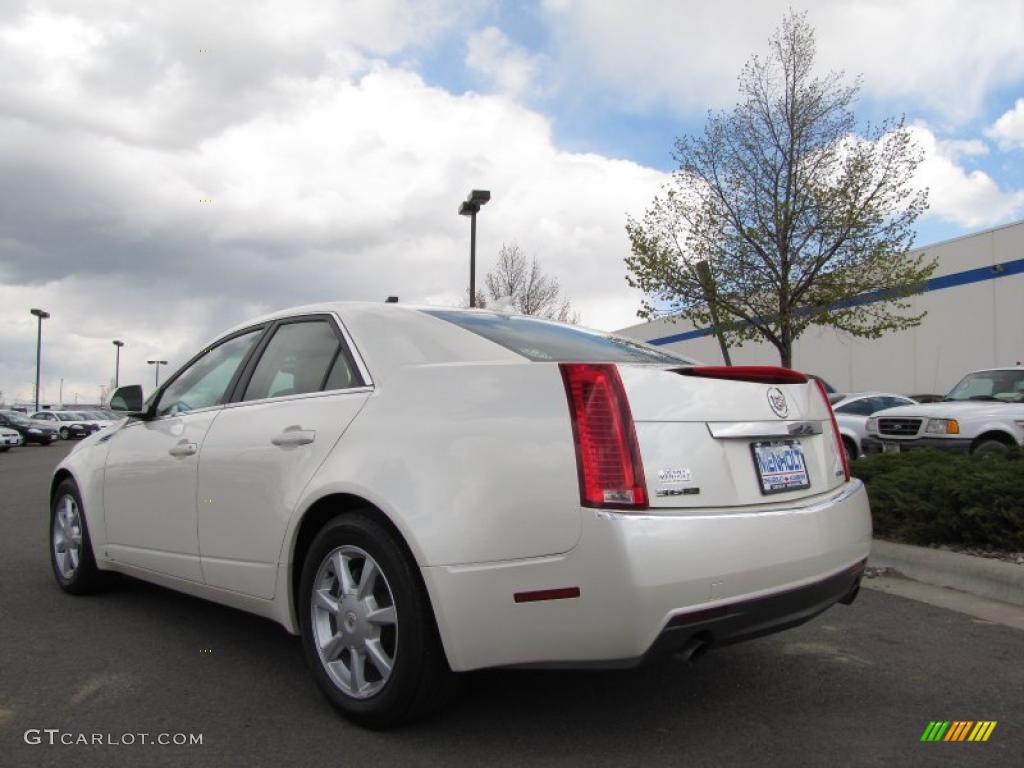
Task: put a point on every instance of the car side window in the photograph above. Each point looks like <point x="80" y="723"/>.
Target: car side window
<point x="300" y="358"/>
<point x="862" y="407"/>
<point x="892" y="402"/>
<point x="206" y="381"/>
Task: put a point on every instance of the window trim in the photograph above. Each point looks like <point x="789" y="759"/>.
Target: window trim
<point x="345" y="347"/>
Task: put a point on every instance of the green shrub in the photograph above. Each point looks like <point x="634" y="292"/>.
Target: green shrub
<point x="930" y="497"/>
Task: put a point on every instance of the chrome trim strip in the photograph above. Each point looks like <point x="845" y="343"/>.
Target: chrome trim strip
<point x="736" y="430"/>
<point x="852" y="488"/>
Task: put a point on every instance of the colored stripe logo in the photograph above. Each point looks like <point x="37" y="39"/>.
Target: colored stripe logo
<point x="958" y="730"/>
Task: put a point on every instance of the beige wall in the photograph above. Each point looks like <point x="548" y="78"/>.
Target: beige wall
<point x="967" y="327"/>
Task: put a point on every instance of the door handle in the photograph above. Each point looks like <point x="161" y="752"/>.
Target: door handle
<point x="294" y="436"/>
<point x="184" y="448"/>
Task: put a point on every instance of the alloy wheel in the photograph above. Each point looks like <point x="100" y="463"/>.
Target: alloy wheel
<point x="67" y="536"/>
<point x="355" y="624"/>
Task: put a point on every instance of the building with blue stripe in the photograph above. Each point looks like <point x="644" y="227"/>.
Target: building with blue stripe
<point x="975" y="319"/>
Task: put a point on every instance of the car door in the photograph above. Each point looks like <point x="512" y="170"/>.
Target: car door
<point x="295" y="401"/>
<point x="149" y="484"/>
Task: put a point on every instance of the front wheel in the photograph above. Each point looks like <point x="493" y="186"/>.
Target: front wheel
<point x="65" y="434"/>
<point x="71" y="556"/>
<point x="991" y="448"/>
<point x="367" y="626"/>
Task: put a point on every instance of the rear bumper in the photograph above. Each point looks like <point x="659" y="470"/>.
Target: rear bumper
<point x="655" y="581"/>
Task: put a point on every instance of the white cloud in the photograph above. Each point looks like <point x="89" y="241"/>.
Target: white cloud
<point x="510" y="67"/>
<point x="970" y="198"/>
<point x="331" y="183"/>
<point x="939" y="53"/>
<point x="1008" y="130"/>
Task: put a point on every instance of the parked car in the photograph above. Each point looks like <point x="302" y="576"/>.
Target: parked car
<point x="419" y="491"/>
<point x="983" y="414"/>
<point x="69" y="424"/>
<point x="852" y="412"/>
<point x="31" y="430"/>
<point x="9" y="438"/>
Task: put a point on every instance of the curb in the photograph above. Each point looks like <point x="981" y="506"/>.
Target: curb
<point x="993" y="579"/>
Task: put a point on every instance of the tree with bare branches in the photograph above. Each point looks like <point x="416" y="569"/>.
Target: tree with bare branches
<point x="802" y="220"/>
<point x="522" y="284"/>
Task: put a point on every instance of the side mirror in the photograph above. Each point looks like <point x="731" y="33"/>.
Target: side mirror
<point x="127" y="399"/>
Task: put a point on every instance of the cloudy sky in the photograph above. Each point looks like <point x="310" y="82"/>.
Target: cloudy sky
<point x="169" y="169"/>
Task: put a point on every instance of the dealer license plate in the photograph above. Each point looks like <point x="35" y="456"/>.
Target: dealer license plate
<point x="780" y="466"/>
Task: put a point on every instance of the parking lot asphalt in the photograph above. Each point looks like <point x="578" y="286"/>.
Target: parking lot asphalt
<point x="856" y="686"/>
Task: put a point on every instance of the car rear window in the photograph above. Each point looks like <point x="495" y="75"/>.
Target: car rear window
<point x="549" y="341"/>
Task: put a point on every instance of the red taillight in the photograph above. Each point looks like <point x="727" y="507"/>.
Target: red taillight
<point x="607" y="455"/>
<point x="761" y="374"/>
<point x="835" y="430"/>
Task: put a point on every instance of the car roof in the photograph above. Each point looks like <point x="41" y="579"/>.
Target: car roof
<point x="390" y="335"/>
<point x="861" y="395"/>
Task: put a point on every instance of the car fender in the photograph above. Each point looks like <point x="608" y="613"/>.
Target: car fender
<point x="85" y="464"/>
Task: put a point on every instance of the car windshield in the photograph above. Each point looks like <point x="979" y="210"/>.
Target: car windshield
<point x="1000" y="386"/>
<point x="550" y="341"/>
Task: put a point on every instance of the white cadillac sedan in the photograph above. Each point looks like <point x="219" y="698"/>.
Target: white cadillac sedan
<point x="421" y="491"/>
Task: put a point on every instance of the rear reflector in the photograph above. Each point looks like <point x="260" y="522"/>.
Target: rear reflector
<point x="562" y="593"/>
<point x="611" y="473"/>
<point x="760" y="374"/>
<point x="840" y="448"/>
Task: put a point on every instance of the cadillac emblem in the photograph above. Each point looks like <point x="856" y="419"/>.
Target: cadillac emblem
<point x="777" y="401"/>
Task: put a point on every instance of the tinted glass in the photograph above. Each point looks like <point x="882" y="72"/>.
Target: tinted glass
<point x="547" y="340"/>
<point x="862" y="407"/>
<point x="892" y="402"/>
<point x="205" y="382"/>
<point x="295" y="361"/>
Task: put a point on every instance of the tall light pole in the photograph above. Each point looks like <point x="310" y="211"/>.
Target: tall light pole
<point x="471" y="207"/>
<point x="117" y="363"/>
<point x="42" y="315"/>
<point x="157" y="363"/>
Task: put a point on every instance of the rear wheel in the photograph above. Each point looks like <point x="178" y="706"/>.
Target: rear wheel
<point x="70" y="547"/>
<point x="367" y="626"/>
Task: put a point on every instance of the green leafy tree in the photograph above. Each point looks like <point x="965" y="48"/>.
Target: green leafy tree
<point x="794" y="211"/>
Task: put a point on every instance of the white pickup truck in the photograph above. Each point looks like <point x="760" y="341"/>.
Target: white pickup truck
<point x="982" y="414"/>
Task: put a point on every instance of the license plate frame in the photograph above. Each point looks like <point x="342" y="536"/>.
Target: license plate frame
<point x="888" y="447"/>
<point x="783" y="480"/>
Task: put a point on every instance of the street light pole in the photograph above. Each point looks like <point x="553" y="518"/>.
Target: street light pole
<point x="471" y="207"/>
<point x="117" y="363"/>
<point x="157" y="363"/>
<point x="41" y="315"/>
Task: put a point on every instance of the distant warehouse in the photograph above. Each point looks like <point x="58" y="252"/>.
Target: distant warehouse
<point x="975" y="305"/>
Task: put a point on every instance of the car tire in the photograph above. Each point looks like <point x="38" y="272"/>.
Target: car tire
<point x="5" y="449"/>
<point x="74" y="567"/>
<point x="373" y="648"/>
<point x="990" y="448"/>
<point x="65" y="434"/>
<point x="851" y="448"/>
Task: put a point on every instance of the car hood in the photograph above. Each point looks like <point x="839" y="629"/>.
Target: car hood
<point x="957" y="409"/>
